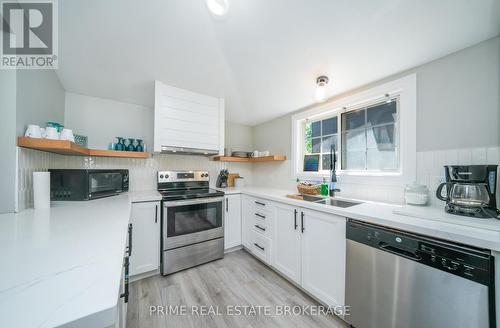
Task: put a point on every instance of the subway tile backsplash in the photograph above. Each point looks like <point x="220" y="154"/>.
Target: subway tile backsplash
<point x="430" y="171"/>
<point x="142" y="171"/>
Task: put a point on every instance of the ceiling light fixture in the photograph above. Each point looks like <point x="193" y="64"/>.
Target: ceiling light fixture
<point x="321" y="83"/>
<point x="218" y="7"/>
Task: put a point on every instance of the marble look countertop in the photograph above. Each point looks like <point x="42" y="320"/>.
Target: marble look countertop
<point x="144" y="196"/>
<point x="425" y="220"/>
<point x="63" y="265"/>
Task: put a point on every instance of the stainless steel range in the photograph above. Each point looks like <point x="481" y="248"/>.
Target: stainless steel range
<point x="192" y="220"/>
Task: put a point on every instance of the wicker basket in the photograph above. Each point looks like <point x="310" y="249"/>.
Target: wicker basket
<point x="309" y="190"/>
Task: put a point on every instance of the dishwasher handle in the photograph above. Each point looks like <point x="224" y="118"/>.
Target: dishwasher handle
<point x="399" y="251"/>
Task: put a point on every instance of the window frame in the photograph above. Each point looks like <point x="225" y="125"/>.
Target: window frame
<point x="403" y="88"/>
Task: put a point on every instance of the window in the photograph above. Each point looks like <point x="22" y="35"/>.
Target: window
<point x="370" y="138"/>
<point x="319" y="137"/>
<point x="373" y="132"/>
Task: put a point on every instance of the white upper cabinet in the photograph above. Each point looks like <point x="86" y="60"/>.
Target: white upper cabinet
<point x="186" y="121"/>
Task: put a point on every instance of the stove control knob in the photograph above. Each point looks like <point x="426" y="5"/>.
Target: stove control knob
<point x="161" y="176"/>
<point x="166" y="176"/>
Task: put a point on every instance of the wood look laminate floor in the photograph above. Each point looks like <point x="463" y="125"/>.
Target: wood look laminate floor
<point x="220" y="286"/>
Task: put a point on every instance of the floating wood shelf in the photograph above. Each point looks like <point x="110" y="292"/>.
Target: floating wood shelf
<point x="117" y="153"/>
<point x="66" y="147"/>
<point x="272" y="158"/>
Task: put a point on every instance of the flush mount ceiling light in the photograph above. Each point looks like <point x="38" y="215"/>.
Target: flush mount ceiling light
<point x="321" y="83"/>
<point x="218" y="7"/>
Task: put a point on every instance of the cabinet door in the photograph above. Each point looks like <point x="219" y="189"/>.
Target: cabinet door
<point x="246" y="221"/>
<point x="232" y="221"/>
<point x="286" y="241"/>
<point x="323" y="256"/>
<point x="145" y="218"/>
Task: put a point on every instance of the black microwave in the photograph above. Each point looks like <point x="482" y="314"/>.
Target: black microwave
<point x="82" y="184"/>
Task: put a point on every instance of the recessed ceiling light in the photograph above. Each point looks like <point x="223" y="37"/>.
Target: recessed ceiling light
<point x="218" y="7"/>
<point x="321" y="83"/>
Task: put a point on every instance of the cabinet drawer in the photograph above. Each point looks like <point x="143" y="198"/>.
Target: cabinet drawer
<point x="261" y="247"/>
<point x="262" y="228"/>
<point x="260" y="203"/>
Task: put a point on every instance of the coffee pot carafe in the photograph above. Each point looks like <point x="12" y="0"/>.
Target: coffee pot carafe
<point x="470" y="190"/>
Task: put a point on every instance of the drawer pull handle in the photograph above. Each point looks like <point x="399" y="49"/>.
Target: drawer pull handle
<point x="260" y="203"/>
<point x="259" y="227"/>
<point x="259" y="247"/>
<point x="260" y="215"/>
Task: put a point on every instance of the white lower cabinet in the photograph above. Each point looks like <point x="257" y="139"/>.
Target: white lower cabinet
<point x="309" y="249"/>
<point x="145" y="219"/>
<point x="246" y="221"/>
<point x="323" y="256"/>
<point x="286" y="251"/>
<point x="232" y="221"/>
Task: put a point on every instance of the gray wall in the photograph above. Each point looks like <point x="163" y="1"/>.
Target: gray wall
<point x="458" y="107"/>
<point x="458" y="102"/>
<point x="102" y="120"/>
<point x="238" y="137"/>
<point x="8" y="137"/>
<point x="40" y="98"/>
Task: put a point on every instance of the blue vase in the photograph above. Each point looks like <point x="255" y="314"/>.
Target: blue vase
<point x="131" y="146"/>
<point x="120" y="146"/>
<point x="139" y="146"/>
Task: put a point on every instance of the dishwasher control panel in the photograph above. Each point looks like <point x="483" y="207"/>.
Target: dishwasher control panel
<point x="464" y="261"/>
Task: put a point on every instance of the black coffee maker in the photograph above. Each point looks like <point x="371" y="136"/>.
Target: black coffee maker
<point x="470" y="190"/>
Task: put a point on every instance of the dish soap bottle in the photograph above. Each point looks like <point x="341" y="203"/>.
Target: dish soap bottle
<point x="324" y="188"/>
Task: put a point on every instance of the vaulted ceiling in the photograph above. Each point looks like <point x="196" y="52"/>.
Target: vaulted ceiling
<point x="263" y="57"/>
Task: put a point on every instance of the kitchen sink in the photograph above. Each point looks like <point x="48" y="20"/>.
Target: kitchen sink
<point x="329" y="201"/>
<point x="337" y="202"/>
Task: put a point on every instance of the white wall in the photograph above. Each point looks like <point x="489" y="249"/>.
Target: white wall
<point x="238" y="137"/>
<point x="102" y="120"/>
<point x="40" y="98"/>
<point x="8" y="137"/>
<point x="458" y="107"/>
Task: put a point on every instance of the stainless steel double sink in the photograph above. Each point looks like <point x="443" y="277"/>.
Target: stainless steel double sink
<point x="330" y="201"/>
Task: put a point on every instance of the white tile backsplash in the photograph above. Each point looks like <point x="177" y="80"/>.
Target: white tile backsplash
<point x="142" y="171"/>
<point x="432" y="175"/>
<point x="430" y="171"/>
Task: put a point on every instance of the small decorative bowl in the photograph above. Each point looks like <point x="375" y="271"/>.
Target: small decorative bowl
<point x="81" y="140"/>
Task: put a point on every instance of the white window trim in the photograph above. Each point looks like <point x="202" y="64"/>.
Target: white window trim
<point x="406" y="89"/>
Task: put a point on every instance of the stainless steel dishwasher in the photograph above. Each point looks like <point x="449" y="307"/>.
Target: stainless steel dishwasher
<point x="396" y="279"/>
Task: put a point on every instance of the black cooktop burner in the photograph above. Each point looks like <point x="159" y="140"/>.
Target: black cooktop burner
<point x="180" y="194"/>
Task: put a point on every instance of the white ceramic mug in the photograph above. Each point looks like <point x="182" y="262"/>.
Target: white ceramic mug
<point x="51" y="133"/>
<point x="33" y="131"/>
<point x="67" y="134"/>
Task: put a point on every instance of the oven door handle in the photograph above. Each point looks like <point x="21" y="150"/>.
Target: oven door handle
<point x="206" y="200"/>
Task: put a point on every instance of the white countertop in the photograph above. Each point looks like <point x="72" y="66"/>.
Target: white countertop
<point x="63" y="264"/>
<point x="144" y="196"/>
<point x="430" y="221"/>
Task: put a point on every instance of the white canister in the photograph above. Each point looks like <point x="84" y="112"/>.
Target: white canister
<point x="41" y="189"/>
<point x="416" y="194"/>
<point x="239" y="182"/>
